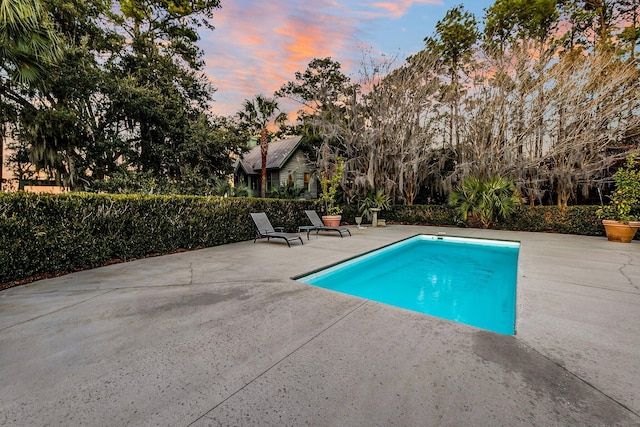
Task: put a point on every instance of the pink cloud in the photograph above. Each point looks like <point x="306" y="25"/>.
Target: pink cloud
<point x="258" y="46"/>
<point x="397" y="9"/>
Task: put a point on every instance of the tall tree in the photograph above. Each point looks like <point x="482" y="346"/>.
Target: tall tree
<point x="456" y="35"/>
<point x="321" y="83"/>
<point x="322" y="90"/>
<point x="128" y="93"/>
<point x="629" y="11"/>
<point x="163" y="65"/>
<point x="387" y="135"/>
<point x="529" y="26"/>
<point x="593" y="23"/>
<point x="509" y="21"/>
<point x="256" y="116"/>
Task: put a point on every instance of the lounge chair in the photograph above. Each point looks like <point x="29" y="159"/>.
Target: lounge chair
<point x="265" y="229"/>
<point x="318" y="225"/>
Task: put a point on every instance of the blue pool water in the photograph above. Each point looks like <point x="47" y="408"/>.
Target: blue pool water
<point x="471" y="281"/>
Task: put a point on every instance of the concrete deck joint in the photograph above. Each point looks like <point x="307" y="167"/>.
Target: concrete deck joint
<point x="339" y="320"/>
<point x="2" y="329"/>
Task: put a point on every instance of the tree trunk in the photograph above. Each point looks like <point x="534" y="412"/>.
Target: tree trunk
<point x="563" y="196"/>
<point x="263" y="173"/>
<point x="634" y="24"/>
<point x="1" y="159"/>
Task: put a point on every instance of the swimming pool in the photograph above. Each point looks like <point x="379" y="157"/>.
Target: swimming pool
<point x="471" y="281"/>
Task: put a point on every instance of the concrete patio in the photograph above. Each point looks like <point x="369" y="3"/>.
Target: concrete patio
<point x="223" y="336"/>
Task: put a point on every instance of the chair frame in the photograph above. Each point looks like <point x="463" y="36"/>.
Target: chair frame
<point x="319" y="226"/>
<point x="265" y="229"/>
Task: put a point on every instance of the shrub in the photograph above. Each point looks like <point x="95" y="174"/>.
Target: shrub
<point x="485" y="199"/>
<point x="625" y="200"/>
<point x="377" y="200"/>
<point x="580" y="220"/>
<point x="287" y="190"/>
<point x="329" y="187"/>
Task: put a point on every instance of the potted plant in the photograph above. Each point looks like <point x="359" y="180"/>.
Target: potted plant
<point x="620" y="217"/>
<point x="485" y="200"/>
<point x="329" y="186"/>
<point x="373" y="204"/>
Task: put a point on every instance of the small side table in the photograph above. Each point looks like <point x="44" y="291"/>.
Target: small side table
<point x="307" y="228"/>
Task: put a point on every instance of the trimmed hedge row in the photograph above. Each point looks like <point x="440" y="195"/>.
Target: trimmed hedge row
<point x="51" y="234"/>
<point x="580" y="220"/>
<point x="416" y="215"/>
<point x="440" y="215"/>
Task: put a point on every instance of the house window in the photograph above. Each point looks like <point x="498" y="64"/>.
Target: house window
<point x="306" y="181"/>
<point x="290" y="179"/>
<point x="272" y="181"/>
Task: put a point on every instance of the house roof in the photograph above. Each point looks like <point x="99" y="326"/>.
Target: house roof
<point x="277" y="155"/>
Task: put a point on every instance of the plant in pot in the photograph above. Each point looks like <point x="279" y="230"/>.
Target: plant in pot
<point x="329" y="186"/>
<point x="621" y="216"/>
<point x="372" y="204"/>
<point x="484" y="201"/>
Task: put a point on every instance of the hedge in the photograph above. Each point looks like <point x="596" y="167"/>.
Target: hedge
<point x="580" y="220"/>
<point x="571" y="220"/>
<point x="44" y="235"/>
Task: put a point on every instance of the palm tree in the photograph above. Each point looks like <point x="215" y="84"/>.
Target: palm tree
<point x="29" y="45"/>
<point x="257" y="114"/>
<point x="485" y="199"/>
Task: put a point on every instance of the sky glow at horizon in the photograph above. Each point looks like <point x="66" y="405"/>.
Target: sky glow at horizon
<point x="257" y="46"/>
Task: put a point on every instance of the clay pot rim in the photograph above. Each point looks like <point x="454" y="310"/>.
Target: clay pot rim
<point x="615" y="222"/>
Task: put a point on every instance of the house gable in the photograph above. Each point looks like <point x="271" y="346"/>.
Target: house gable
<point x="277" y="155"/>
<point x="284" y="159"/>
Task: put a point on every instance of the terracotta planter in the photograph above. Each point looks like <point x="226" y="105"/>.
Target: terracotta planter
<point x="332" y="220"/>
<point x="620" y="232"/>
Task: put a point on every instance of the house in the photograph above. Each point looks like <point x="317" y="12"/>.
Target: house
<point x="286" y="164"/>
<point x="33" y="183"/>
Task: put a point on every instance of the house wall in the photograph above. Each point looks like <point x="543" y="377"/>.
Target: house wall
<point x="251" y="182"/>
<point x="35" y="183"/>
<point x="297" y="166"/>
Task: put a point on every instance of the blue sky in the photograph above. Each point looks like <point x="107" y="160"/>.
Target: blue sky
<point x="258" y="45"/>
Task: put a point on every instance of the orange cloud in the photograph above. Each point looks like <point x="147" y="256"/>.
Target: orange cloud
<point x="258" y="49"/>
<point x="257" y="46"/>
<point x="305" y="40"/>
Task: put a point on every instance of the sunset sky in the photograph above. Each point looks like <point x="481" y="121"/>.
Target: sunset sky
<point x="258" y="45"/>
